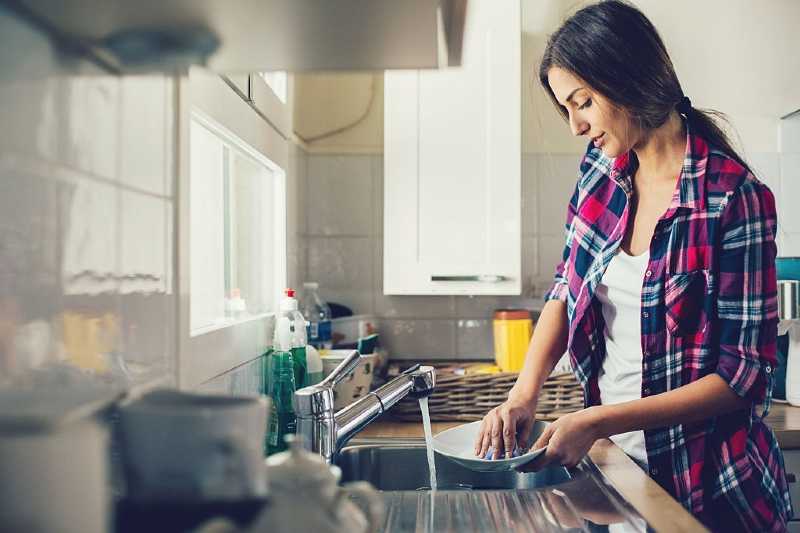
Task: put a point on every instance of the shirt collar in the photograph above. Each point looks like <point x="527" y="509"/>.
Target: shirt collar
<point x="690" y="191"/>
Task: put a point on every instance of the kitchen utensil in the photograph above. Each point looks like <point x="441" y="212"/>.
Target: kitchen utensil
<point x="789" y="346"/>
<point x="179" y="446"/>
<point x="54" y="461"/>
<point x="457" y="444"/>
<point x="305" y="495"/>
<point x="356" y="384"/>
<point x="512" y="334"/>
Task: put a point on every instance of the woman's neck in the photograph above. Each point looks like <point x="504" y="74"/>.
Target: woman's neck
<point x="661" y="151"/>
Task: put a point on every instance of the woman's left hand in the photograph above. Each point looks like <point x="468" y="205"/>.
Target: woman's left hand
<point x="568" y="439"/>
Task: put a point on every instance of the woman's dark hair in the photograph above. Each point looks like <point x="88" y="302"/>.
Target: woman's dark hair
<point x="614" y="48"/>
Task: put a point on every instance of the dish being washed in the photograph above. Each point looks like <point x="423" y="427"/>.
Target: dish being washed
<point x="457" y="444"/>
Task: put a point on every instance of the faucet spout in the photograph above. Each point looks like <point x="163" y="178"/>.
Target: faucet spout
<point x="326" y="432"/>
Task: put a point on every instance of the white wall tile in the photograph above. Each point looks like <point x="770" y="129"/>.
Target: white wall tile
<point x="145" y="132"/>
<point x="789" y="215"/>
<point x="144" y="257"/>
<point x="530" y="264"/>
<point x="557" y="175"/>
<point x="474" y="339"/>
<point x="418" y="339"/>
<point x="340" y="195"/>
<point x="550" y="251"/>
<point x="789" y="245"/>
<point x="767" y="168"/>
<point x="340" y="262"/>
<point x="530" y="192"/>
<point x="91" y="239"/>
<point x="91" y="143"/>
<point x="790" y="134"/>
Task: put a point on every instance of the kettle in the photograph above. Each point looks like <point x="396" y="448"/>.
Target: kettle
<point x="305" y="495"/>
<point x="789" y="324"/>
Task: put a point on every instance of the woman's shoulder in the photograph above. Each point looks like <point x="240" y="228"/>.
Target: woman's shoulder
<point x="725" y="176"/>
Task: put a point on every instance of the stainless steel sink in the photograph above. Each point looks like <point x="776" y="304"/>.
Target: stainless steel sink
<point x="556" y="499"/>
<point x="403" y="465"/>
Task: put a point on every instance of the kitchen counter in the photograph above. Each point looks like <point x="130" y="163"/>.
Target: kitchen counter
<point x="646" y="496"/>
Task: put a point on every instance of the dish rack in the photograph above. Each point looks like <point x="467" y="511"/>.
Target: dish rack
<point x="467" y="393"/>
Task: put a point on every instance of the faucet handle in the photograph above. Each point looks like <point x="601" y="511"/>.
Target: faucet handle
<point x="340" y="372"/>
<point x="318" y="399"/>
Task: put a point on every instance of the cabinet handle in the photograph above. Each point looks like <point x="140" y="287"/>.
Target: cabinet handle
<point x="479" y="278"/>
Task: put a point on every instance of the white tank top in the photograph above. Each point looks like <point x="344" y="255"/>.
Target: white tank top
<point x="620" y="379"/>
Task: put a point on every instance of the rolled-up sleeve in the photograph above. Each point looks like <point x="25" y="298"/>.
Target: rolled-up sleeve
<point x="747" y="303"/>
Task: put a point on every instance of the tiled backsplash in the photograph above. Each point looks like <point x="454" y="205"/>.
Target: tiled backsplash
<point x="86" y="200"/>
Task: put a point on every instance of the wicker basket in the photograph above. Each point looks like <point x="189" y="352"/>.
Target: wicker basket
<point x="461" y="395"/>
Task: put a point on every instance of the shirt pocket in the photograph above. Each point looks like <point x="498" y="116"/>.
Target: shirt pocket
<point x="687" y="297"/>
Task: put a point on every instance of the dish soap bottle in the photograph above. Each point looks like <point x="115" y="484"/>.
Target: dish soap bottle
<point x="292" y="324"/>
<point x="318" y="315"/>
<point x="282" y="420"/>
<point x="314" y="366"/>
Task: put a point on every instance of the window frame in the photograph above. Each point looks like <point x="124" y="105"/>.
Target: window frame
<point x="217" y="350"/>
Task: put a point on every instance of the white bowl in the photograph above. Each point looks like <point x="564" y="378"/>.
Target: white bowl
<point x="458" y="444"/>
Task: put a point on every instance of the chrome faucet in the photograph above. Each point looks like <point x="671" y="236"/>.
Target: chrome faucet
<point x="325" y="431"/>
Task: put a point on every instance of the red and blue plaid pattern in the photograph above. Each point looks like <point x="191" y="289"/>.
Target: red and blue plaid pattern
<point x="709" y="305"/>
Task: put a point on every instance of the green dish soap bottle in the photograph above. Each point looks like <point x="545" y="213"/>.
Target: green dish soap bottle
<point x="281" y="388"/>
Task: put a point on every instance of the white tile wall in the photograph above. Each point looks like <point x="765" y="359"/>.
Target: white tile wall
<point x="788" y="213"/>
<point x="557" y="175"/>
<point x="83" y="204"/>
<point x="343" y="268"/>
<point x="419" y="339"/>
<point x="340" y="194"/>
<point x="530" y="186"/>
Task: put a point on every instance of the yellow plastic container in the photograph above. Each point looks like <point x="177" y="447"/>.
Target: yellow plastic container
<point x="513" y="329"/>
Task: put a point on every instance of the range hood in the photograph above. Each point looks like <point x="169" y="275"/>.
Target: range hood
<point x="233" y="36"/>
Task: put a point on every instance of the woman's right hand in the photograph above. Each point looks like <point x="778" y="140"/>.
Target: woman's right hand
<point x="504" y="425"/>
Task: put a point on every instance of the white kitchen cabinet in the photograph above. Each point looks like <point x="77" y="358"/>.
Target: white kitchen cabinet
<point x="452" y="154"/>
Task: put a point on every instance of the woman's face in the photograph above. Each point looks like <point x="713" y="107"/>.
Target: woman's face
<point x="593" y="115"/>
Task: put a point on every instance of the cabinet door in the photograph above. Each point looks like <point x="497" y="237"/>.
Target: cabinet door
<point x="452" y="150"/>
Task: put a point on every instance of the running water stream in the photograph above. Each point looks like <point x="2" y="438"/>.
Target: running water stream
<point x="426" y="423"/>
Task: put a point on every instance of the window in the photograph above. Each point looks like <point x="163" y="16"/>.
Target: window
<point x="237" y="218"/>
<point x="277" y="81"/>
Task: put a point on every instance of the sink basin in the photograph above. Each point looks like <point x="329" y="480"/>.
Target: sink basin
<point x="554" y="499"/>
<point x="399" y="466"/>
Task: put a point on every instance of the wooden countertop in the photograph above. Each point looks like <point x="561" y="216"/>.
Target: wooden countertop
<point x="784" y="419"/>
<point x="646" y="496"/>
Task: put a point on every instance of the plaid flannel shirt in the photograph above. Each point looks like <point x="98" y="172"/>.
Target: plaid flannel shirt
<point x="709" y="305"/>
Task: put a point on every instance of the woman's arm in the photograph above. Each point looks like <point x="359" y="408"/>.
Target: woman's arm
<point x="514" y="417"/>
<point x="544" y="353"/>
<point x="705" y="398"/>
<point x="570" y="437"/>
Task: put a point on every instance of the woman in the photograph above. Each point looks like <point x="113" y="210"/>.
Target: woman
<point x="666" y="294"/>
